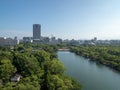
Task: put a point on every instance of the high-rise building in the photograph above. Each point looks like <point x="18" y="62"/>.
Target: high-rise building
<point x="36" y="31"/>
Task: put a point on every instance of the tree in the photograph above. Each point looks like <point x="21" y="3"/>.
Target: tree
<point x="6" y="69"/>
<point x="56" y="67"/>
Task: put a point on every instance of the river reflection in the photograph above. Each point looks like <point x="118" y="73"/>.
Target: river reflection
<point x="93" y="76"/>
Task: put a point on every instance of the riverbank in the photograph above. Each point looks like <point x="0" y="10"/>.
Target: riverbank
<point x="92" y="76"/>
<point x="106" y="55"/>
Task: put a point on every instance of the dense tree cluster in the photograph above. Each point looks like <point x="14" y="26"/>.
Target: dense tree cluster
<point x="107" y="55"/>
<point x="39" y="67"/>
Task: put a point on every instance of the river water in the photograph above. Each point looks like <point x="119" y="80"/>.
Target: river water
<point x="92" y="76"/>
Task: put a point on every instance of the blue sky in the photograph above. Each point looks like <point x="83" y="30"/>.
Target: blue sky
<point x="78" y="19"/>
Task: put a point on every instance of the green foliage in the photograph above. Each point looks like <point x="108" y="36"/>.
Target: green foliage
<point x="107" y="55"/>
<point x="56" y="67"/>
<point x="39" y="67"/>
<point x="26" y="65"/>
<point x="6" y="69"/>
<point x="6" y="55"/>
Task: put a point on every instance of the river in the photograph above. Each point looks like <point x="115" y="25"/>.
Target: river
<point x="92" y="76"/>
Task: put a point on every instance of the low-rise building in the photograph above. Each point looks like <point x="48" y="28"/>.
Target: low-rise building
<point x="15" y="78"/>
<point x="8" y="41"/>
<point x="27" y="40"/>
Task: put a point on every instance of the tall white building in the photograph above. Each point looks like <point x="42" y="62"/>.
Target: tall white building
<point x="36" y="32"/>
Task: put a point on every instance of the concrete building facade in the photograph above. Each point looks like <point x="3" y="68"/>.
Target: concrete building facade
<point x="27" y="40"/>
<point x="8" y="41"/>
<point x="36" y="32"/>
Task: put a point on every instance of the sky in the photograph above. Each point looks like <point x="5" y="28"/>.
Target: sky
<point x="66" y="19"/>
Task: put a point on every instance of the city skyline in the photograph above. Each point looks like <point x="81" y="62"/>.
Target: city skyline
<point x="66" y="19"/>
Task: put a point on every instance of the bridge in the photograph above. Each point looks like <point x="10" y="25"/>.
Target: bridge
<point x="63" y="49"/>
